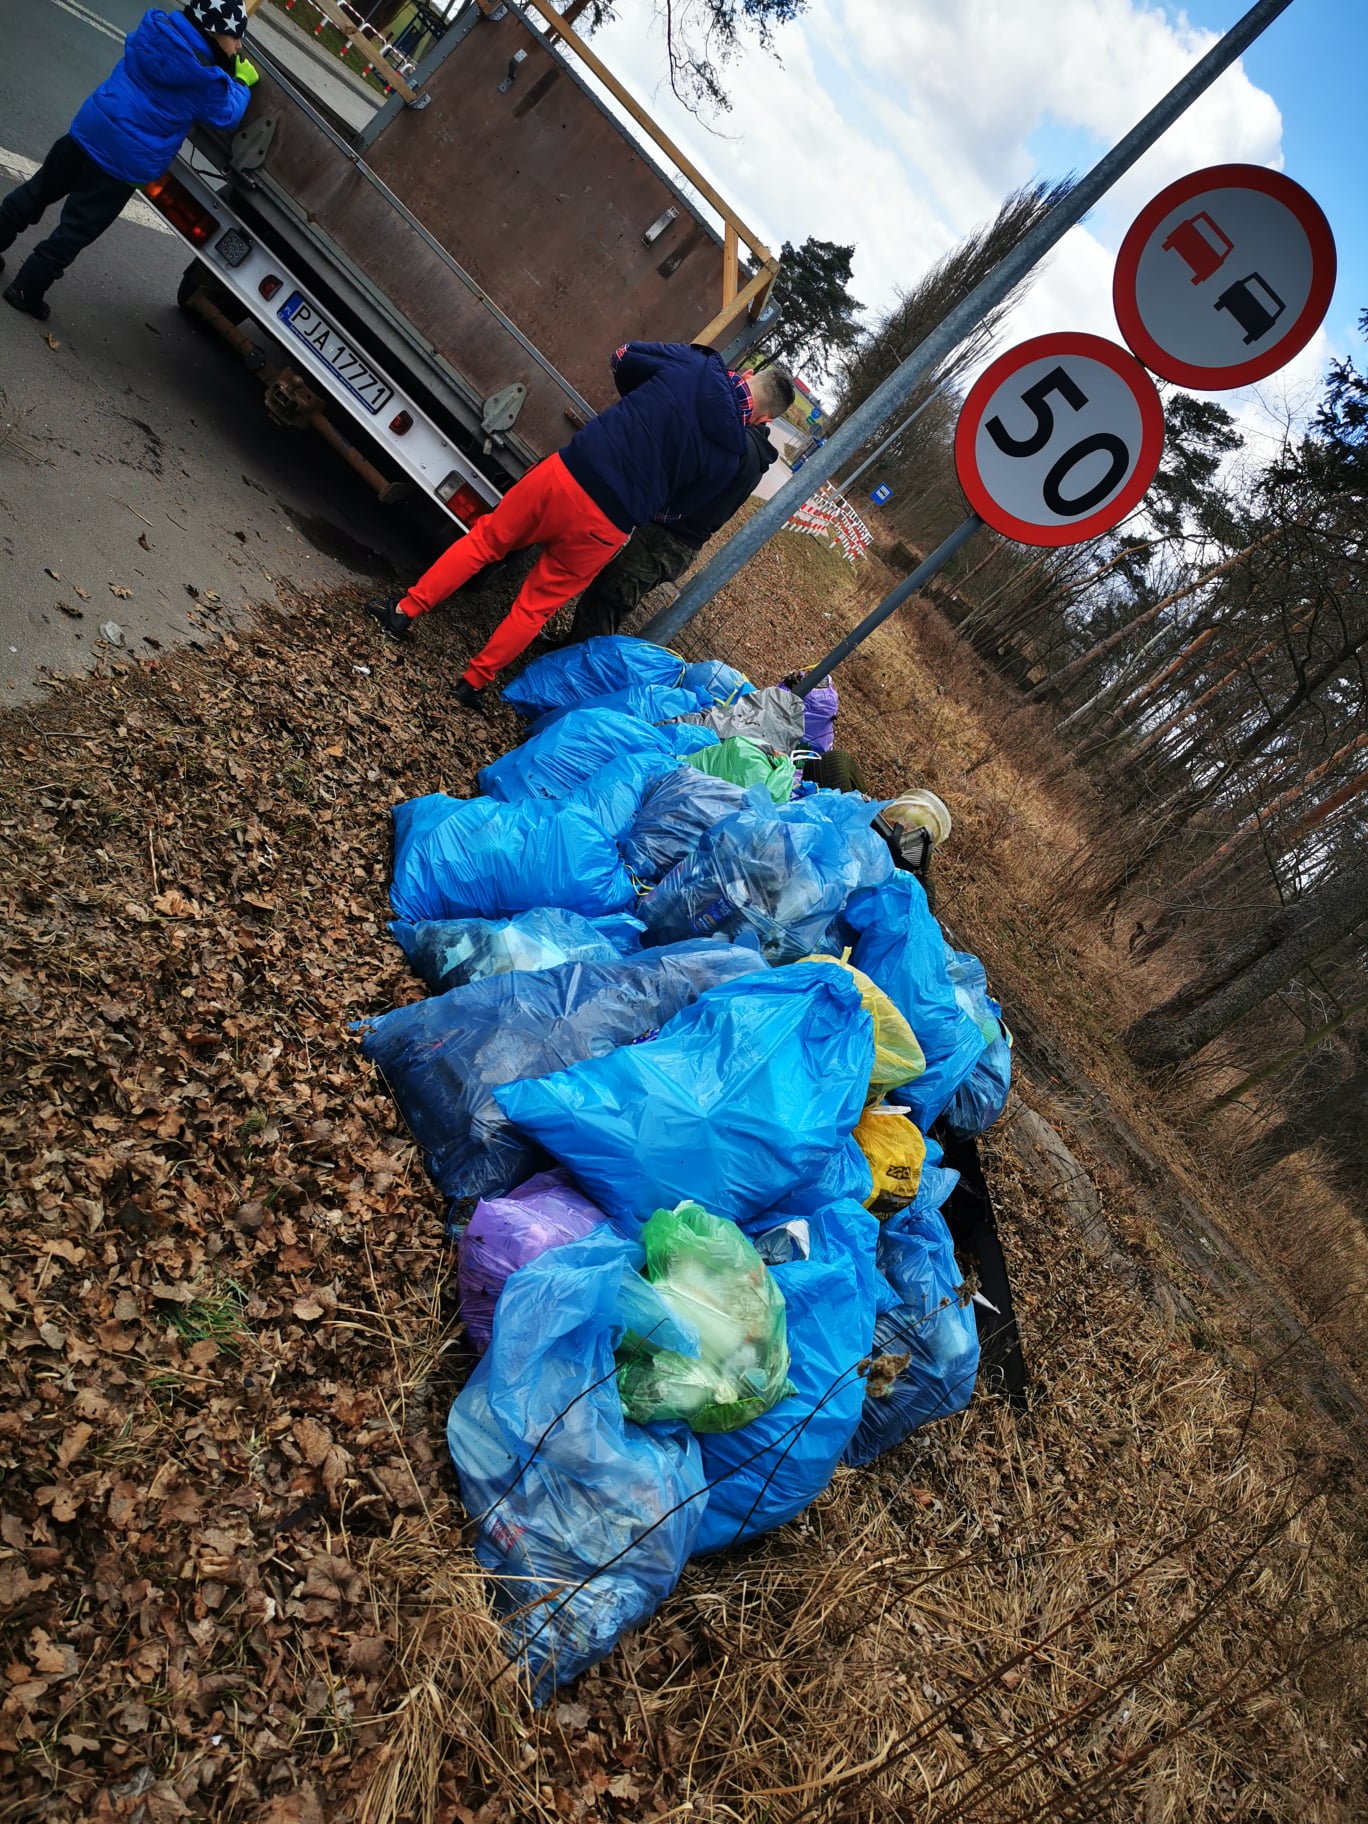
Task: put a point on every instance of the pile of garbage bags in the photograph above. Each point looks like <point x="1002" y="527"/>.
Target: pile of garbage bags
<point x="687" y="1030"/>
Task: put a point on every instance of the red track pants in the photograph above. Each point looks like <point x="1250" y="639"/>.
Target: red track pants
<point x="549" y="508"/>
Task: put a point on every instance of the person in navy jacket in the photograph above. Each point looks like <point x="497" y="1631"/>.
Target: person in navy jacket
<point x="661" y="549"/>
<point x="674" y="441"/>
<point x="177" y="70"/>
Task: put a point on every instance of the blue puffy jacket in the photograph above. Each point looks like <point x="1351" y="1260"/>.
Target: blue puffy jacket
<point x="674" y="441"/>
<point x="165" y="83"/>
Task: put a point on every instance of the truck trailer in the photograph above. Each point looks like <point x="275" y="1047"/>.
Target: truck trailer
<point x="440" y="289"/>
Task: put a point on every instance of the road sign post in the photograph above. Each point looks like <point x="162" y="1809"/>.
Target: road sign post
<point x="1224" y="277"/>
<point x="1058" y="440"/>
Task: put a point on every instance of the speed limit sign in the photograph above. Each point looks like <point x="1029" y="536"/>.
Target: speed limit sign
<point x="1059" y="439"/>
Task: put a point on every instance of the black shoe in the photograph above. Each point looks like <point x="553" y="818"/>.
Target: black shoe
<point x="26" y="301"/>
<point x="385" y="609"/>
<point x="467" y="696"/>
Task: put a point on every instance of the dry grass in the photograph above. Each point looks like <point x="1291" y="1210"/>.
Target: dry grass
<point x="1133" y="1604"/>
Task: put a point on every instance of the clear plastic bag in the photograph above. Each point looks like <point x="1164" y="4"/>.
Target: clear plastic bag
<point x="712" y="1278"/>
<point x="448" y="952"/>
<point x="784" y="879"/>
<point x="584" y="1519"/>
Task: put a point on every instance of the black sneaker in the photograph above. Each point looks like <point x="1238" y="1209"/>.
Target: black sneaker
<point x="26" y="301"/>
<point x="467" y="697"/>
<point x="385" y="609"/>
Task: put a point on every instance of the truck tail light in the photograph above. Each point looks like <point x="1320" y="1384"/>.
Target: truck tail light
<point x="184" y="212"/>
<point x="402" y="423"/>
<point x="269" y="286"/>
<point x="458" y="495"/>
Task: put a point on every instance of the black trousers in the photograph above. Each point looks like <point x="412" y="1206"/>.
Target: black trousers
<point x="651" y="555"/>
<point x="93" y="201"/>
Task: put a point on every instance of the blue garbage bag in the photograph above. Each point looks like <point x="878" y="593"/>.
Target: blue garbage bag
<point x="771" y="1469"/>
<point x="783" y="878"/>
<point x="613" y="795"/>
<point x="686" y="738"/>
<point x="739" y="1100"/>
<point x="845" y="1178"/>
<point x="585" y="1519"/>
<point x="591" y="668"/>
<point x="646" y="702"/>
<point x="719" y="682"/>
<point x="899" y="946"/>
<point x="568" y="753"/>
<point x="852" y="814"/>
<point x="448" y="952"/>
<point x="444" y="1057"/>
<point x="475" y="857"/>
<point x="675" y="809"/>
<point x="916" y="1256"/>
<point x="981" y="1098"/>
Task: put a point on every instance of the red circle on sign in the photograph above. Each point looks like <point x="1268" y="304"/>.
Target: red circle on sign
<point x="988" y="384"/>
<point x="1316" y="228"/>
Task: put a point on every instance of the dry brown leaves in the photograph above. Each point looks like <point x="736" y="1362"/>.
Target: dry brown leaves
<point x="221" y="1251"/>
<point x="230" y="1551"/>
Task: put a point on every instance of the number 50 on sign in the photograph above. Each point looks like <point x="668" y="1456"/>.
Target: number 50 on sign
<point x="1059" y="439"/>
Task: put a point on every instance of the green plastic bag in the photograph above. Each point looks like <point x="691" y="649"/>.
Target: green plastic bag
<point x="710" y="1275"/>
<point x="741" y="760"/>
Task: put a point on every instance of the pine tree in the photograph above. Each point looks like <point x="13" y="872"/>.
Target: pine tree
<point x="817" y="313"/>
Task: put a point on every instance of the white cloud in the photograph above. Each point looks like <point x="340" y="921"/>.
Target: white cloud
<point x="901" y="126"/>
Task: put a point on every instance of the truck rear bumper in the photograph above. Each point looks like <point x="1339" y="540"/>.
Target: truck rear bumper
<point x="348" y="377"/>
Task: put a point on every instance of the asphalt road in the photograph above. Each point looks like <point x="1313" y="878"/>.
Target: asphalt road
<point x="135" y="454"/>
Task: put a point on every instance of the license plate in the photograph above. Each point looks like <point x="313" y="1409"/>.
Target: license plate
<point x="310" y="327"/>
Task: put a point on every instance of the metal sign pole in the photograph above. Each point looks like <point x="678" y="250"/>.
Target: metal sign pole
<point x="909" y="586"/>
<point x="892" y="437"/>
<point x="886" y="399"/>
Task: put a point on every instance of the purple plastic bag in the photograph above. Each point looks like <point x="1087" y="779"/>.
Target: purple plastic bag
<point x="506" y="1232"/>
<point x="820" y="708"/>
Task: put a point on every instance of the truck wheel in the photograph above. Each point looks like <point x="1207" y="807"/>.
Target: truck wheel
<point x="198" y="277"/>
<point x="837" y="769"/>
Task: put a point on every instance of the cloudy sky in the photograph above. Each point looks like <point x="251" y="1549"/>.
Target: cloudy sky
<point x="900" y="124"/>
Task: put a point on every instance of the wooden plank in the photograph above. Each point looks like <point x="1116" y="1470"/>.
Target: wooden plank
<point x="368" y="48"/>
<point x="730" y="265"/>
<point x="593" y="62"/>
<point x="756" y="289"/>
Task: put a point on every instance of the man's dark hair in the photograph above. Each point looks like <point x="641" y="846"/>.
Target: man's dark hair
<point x="775" y="388"/>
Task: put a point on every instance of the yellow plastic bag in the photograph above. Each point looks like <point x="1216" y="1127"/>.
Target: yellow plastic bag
<point x="896" y="1152"/>
<point x="898" y="1058"/>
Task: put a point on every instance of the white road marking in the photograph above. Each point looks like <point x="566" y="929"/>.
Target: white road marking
<point x="137" y="210"/>
<point x="86" y="17"/>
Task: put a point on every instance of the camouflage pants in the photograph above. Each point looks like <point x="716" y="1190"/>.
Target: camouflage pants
<point x="651" y="555"/>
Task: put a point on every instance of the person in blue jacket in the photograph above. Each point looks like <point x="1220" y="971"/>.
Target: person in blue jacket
<point x="177" y="70"/>
<point x="673" y="441"/>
